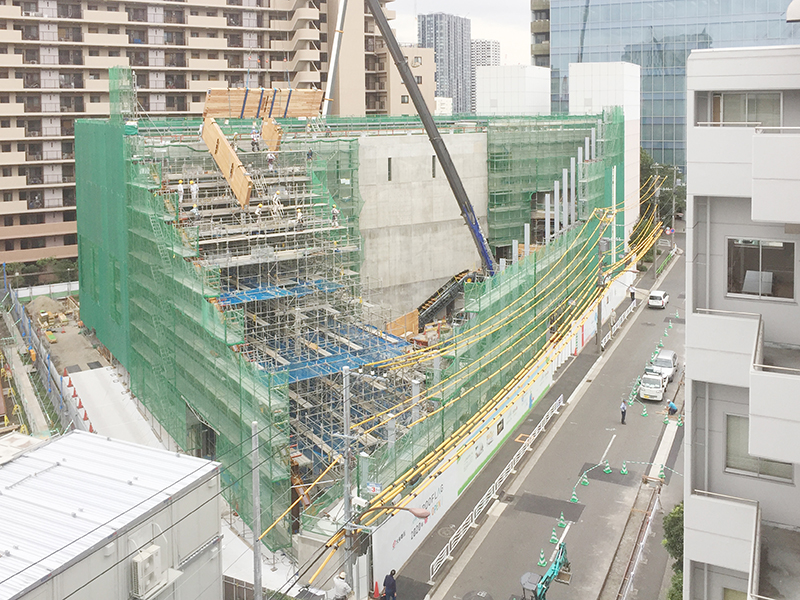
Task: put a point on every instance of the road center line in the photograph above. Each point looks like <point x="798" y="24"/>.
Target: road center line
<point x="613" y="437"/>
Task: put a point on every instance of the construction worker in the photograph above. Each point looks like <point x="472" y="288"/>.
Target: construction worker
<point x="258" y="213"/>
<point x="341" y="589"/>
<point x="194" y="187"/>
<point x="299" y="219"/>
<point x="270" y="162"/>
<point x="310" y="155"/>
<point x="277" y="207"/>
<point x="180" y="190"/>
<point x="254" y="137"/>
<point x="194" y="212"/>
<point x="335" y="216"/>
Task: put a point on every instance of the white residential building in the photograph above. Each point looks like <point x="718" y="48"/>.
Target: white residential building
<point x="741" y="524"/>
<point x="89" y="517"/>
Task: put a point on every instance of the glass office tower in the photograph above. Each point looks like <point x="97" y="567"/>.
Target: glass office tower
<point x="658" y="35"/>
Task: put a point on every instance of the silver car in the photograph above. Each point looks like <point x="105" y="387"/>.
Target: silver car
<point x="666" y="363"/>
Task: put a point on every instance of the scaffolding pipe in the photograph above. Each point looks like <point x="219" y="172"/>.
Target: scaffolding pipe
<point x="337" y="46"/>
<point x="257" y="589"/>
<point x="435" y="138"/>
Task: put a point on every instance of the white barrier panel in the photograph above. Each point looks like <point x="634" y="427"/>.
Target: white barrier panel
<point x="400" y="535"/>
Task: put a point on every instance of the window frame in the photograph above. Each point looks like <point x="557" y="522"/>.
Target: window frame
<point x="758" y="473"/>
<point x="759" y="295"/>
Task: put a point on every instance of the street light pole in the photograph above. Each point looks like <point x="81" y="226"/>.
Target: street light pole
<point x="347" y="499"/>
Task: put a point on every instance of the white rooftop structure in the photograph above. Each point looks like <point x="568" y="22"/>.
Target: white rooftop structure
<point x="65" y="500"/>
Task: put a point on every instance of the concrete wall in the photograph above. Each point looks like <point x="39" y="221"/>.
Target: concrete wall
<point x="414" y="235"/>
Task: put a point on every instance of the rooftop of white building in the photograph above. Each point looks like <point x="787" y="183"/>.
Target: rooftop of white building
<point x="63" y="499"/>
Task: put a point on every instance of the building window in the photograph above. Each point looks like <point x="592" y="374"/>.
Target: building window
<point x="94" y="98"/>
<point x="8" y="221"/>
<point x="6" y="148"/>
<point x="388" y="169"/>
<point x="4" y="99"/>
<point x="113" y="52"/>
<point x="433" y="166"/>
<point x="113" y="31"/>
<point x="761" y="268"/>
<point x="737" y="458"/>
<point x="418" y="79"/>
<point x="404" y="99"/>
<point x="743" y="109"/>
<point x="8" y="196"/>
<point x="94" y="52"/>
<point x="417" y="62"/>
<point x="9" y="245"/>
<point x="6" y="171"/>
<point x="5" y="123"/>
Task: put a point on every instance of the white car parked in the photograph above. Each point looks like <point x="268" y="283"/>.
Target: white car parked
<point x="658" y="299"/>
<point x="652" y="388"/>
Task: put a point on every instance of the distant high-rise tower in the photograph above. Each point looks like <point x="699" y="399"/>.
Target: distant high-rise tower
<point x="449" y="36"/>
<point x="484" y="53"/>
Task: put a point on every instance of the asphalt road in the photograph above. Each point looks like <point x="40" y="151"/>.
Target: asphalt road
<point x="520" y="525"/>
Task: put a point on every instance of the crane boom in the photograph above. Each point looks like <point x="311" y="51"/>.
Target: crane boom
<point x="435" y="138"/>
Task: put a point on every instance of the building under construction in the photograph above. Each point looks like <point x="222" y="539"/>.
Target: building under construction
<point x="225" y="311"/>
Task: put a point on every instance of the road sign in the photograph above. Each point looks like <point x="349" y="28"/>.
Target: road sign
<point x="668" y="231"/>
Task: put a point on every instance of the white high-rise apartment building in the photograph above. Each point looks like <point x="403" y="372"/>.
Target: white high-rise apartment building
<point x="54" y="60"/>
<point x="449" y="36"/>
<point x="483" y="53"/>
<point x="742" y="444"/>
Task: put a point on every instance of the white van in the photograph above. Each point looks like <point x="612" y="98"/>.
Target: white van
<point x="652" y="388"/>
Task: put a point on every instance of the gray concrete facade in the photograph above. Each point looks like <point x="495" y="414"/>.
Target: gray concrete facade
<point x="414" y="236"/>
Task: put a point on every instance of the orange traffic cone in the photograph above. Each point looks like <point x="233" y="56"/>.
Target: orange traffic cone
<point x="65" y="371"/>
<point x="80" y="403"/>
<point x="85" y="416"/>
<point x="74" y="393"/>
<point x="69" y="382"/>
<point x="377" y="593"/>
<point x="91" y="429"/>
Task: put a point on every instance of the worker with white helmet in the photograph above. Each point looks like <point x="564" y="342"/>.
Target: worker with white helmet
<point x="341" y="589"/>
<point x="194" y="187"/>
<point x="254" y="137"/>
<point x="180" y="190"/>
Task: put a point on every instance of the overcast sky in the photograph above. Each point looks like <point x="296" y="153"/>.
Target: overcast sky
<point x="507" y="21"/>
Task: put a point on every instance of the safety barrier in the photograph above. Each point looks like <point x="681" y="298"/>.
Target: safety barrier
<point x="471" y="520"/>
<point x="615" y="326"/>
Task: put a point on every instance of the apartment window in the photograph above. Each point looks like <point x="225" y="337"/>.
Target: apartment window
<point x="737" y="458"/>
<point x="404" y="99"/>
<point x="541" y="15"/>
<point x="194" y="13"/>
<point x="417" y="62"/>
<point x="94" y="52"/>
<point x="94" y="75"/>
<point x="32" y="243"/>
<point x="8" y="221"/>
<point x="8" y="197"/>
<point x="433" y="166"/>
<point x="91" y="7"/>
<point x="94" y="99"/>
<point x="5" y="123"/>
<point x="6" y="171"/>
<point x="388" y="169"/>
<point x="112" y="8"/>
<point x="418" y="79"/>
<point x="751" y="109"/>
<point x="761" y="268"/>
<point x="113" y="30"/>
<point x="195" y="34"/>
<point x="4" y="99"/>
<point x="94" y="30"/>
<point x="113" y="52"/>
<point x="195" y="55"/>
<point x="211" y="13"/>
<point x="6" y="148"/>
<point x="197" y="98"/>
<point x="71" y="239"/>
<point x="213" y="55"/>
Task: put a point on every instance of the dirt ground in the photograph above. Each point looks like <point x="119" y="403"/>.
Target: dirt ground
<point x="73" y="350"/>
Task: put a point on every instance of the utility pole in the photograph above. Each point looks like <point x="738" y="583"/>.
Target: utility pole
<point x="347" y="499"/>
<point x="257" y="589"/>
<point x="602" y="248"/>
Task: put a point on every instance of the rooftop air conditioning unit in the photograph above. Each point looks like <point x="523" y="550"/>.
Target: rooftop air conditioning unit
<point x="146" y="571"/>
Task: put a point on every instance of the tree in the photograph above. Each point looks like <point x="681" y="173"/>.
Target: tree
<point x="673" y="535"/>
<point x="673" y="542"/>
<point x="649" y="170"/>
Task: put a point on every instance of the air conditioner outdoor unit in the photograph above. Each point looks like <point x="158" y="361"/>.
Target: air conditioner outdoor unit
<point x="146" y="571"/>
